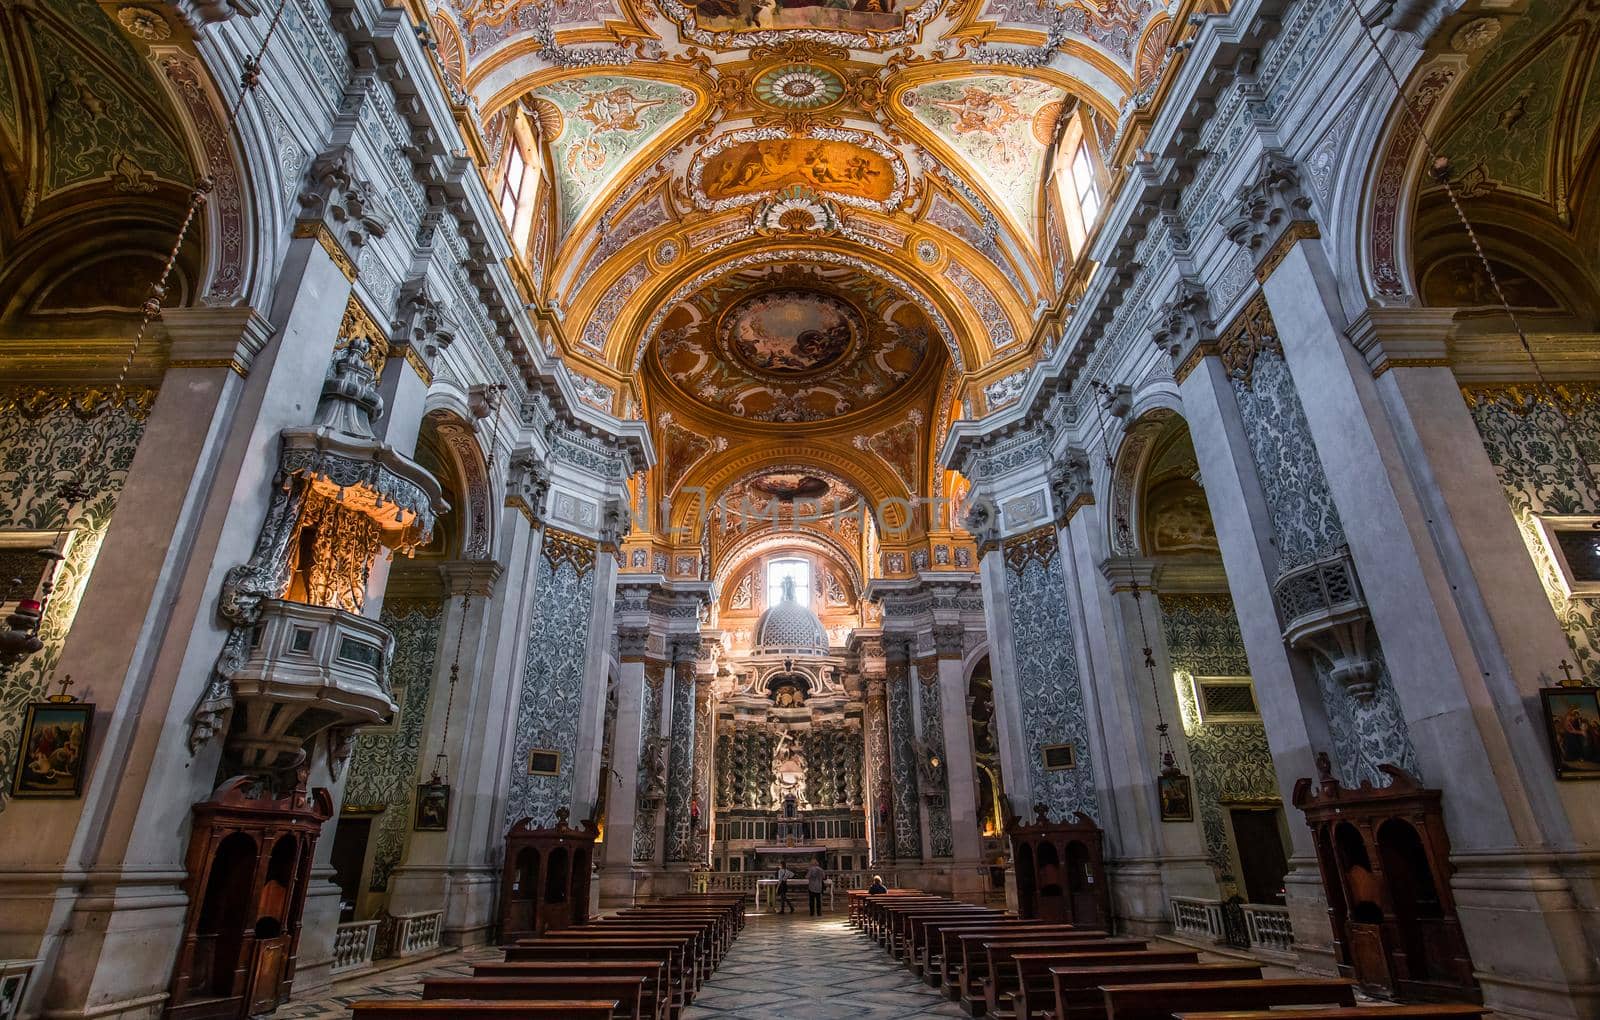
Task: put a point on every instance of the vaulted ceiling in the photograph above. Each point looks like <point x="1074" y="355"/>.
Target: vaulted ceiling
<point x="796" y="233"/>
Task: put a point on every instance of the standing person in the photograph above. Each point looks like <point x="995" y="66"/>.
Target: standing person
<point x="784" y="874"/>
<point x="816" y="881"/>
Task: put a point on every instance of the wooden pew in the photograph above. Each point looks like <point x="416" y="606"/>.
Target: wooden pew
<point x="1435" y="1011"/>
<point x="449" y="1009"/>
<point x="1029" y="992"/>
<point x="627" y="991"/>
<point x="680" y="974"/>
<point x="897" y="917"/>
<point x="1076" y="989"/>
<point x="879" y="911"/>
<point x="904" y="941"/>
<point x="708" y="941"/>
<point x="944" y="950"/>
<point x="1149" y="1001"/>
<point x="696" y="958"/>
<point x="655" y="995"/>
<point x="856" y="902"/>
<point x="1005" y="978"/>
<point x="970" y="961"/>
<point x="718" y="921"/>
<point x="924" y="942"/>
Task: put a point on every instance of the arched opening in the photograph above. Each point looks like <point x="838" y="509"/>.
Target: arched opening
<point x="1052" y="892"/>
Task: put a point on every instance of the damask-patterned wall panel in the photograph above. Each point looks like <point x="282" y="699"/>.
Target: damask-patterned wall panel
<point x="383" y="768"/>
<point x="1049" y="685"/>
<point x="552" y="677"/>
<point x="45" y="436"/>
<point x="680" y="773"/>
<point x="902" y="768"/>
<point x="1306" y="527"/>
<point x="941" y="842"/>
<point x="1231" y="762"/>
<point x="644" y="819"/>
<point x="880" y="797"/>
<point x="1531" y="446"/>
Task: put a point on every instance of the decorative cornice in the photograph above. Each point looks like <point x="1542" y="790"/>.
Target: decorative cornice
<point x="470" y="577"/>
<point x="1267" y="207"/>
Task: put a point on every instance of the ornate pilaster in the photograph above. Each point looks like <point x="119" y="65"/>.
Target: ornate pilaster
<point x="684" y="652"/>
<point x="903" y="772"/>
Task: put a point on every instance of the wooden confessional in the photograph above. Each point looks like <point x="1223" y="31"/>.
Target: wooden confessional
<point x="249" y="866"/>
<point x="546" y="882"/>
<point x="1061" y="872"/>
<point x="1385" y="863"/>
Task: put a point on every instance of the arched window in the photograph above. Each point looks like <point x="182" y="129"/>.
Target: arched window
<point x="520" y="170"/>
<point x="1077" y="182"/>
<point x="797" y="570"/>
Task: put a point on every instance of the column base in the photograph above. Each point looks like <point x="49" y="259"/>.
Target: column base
<point x="471" y="905"/>
<point x="1308" y="913"/>
<point x="619" y="885"/>
<point x="1526" y="918"/>
<point x="1142" y="890"/>
<point x="115" y="956"/>
<point x="319" y="926"/>
<point x="961" y="880"/>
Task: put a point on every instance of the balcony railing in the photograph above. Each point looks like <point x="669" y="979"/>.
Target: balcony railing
<point x="1266" y="926"/>
<point x="14" y="976"/>
<point x="1269" y="927"/>
<point x="353" y="944"/>
<point x="417" y="933"/>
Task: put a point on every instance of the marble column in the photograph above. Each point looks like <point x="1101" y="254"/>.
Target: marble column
<point x="880" y="790"/>
<point x="1285" y="685"/>
<point x="681" y="778"/>
<point x="1464" y="711"/>
<point x="904" y="786"/>
<point x="968" y="874"/>
<point x="190" y="510"/>
<point x="422" y="879"/>
<point x="622" y="802"/>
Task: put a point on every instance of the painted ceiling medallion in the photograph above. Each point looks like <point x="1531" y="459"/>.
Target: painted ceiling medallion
<point x="790" y="486"/>
<point x="798" y="87"/>
<point x="790" y="332"/>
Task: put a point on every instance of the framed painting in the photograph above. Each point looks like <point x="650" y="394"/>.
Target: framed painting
<point x="54" y="752"/>
<point x="1177" y="799"/>
<point x="1572" y="720"/>
<point x="433" y="807"/>
<point x="543" y="761"/>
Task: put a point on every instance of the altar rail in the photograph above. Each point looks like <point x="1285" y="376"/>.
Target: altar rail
<point x="418" y="932"/>
<point x="1266" y="926"/>
<point x="353" y="945"/>
<point x="745" y="881"/>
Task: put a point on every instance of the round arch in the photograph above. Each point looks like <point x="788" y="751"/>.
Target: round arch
<point x="458" y="446"/>
<point x="760" y="543"/>
<point x="715" y="474"/>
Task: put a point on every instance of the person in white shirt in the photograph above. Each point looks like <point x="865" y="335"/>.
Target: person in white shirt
<point x="784" y="874"/>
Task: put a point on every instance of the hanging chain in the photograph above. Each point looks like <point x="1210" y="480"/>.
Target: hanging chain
<point x="1439" y="170"/>
<point x="441" y="761"/>
<point x="1169" y="759"/>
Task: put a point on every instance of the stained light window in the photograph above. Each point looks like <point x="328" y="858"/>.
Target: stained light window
<point x="511" y="187"/>
<point x="1083" y="184"/>
<point x="797" y="570"/>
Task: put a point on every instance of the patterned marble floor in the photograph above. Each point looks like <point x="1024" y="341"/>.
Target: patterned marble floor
<point x="791" y="967"/>
<point x="796" y="967"/>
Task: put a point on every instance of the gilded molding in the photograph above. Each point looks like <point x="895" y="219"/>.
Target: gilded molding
<point x="233" y="363"/>
<point x="561" y="547"/>
<point x="1192" y="361"/>
<point x="319" y="232"/>
<point x="1410" y="363"/>
<point x="358" y="322"/>
<point x="1251" y="333"/>
<point x="1524" y="397"/>
<point x="418" y="365"/>
<point x="1294" y="233"/>
<point x="1040" y="544"/>
<point x="84" y="402"/>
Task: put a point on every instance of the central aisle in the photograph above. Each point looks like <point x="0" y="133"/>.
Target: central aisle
<point x="794" y="967"/>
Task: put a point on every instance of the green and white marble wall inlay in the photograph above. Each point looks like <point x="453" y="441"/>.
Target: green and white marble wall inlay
<point x="1231" y="761"/>
<point x="47" y="438"/>
<point x="940" y="838"/>
<point x="383" y="768"/>
<point x="1306" y="527"/>
<point x="1532" y="449"/>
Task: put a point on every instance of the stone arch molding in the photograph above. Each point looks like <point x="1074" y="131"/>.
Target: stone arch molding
<point x="755" y="545"/>
<point x="714" y="475"/>
<point x="461" y="444"/>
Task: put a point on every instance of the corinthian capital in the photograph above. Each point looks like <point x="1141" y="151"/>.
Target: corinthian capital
<point x="1268" y="205"/>
<point x="337" y="203"/>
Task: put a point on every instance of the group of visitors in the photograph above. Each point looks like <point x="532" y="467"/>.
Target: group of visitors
<point x="816" y="884"/>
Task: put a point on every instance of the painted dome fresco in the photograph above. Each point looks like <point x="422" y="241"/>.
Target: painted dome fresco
<point x="784" y="343"/>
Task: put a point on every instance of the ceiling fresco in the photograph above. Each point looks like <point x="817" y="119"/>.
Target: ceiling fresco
<point x="595" y="124"/>
<point x="797" y="229"/>
<point x="1002" y="125"/>
<point x="785" y="343"/>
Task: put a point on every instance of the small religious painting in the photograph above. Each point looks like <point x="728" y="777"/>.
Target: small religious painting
<point x="433" y="807"/>
<point x="54" y="752"/>
<point x="544" y="762"/>
<point x="1177" y="800"/>
<point x="1572" y="717"/>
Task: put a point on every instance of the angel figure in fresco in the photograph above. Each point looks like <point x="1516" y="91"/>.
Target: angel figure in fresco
<point x="987" y="114"/>
<point x="615" y="109"/>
